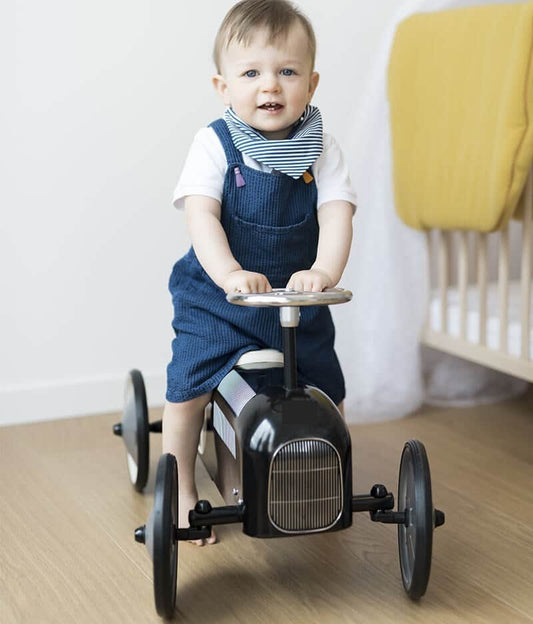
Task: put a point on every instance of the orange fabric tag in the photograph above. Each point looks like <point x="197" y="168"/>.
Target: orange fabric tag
<point x="307" y="177"/>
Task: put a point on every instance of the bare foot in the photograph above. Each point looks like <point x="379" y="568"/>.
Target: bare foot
<point x="187" y="501"/>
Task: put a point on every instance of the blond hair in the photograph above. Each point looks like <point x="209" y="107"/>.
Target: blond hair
<point x="277" y="16"/>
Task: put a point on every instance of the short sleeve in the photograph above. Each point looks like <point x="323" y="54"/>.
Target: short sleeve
<point x="332" y="176"/>
<point x="204" y="169"/>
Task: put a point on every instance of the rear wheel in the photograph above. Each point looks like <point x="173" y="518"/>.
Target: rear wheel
<point x="135" y="430"/>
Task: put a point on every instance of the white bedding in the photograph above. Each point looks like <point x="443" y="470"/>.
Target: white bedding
<point x="493" y="321"/>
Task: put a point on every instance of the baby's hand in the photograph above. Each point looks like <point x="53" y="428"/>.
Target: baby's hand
<point x="313" y="280"/>
<point x="246" y="282"/>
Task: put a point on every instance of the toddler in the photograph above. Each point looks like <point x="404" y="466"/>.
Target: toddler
<point x="268" y="204"/>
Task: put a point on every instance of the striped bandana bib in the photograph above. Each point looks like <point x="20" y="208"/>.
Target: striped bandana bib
<point x="293" y="155"/>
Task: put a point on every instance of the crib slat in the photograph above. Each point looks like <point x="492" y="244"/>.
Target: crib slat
<point x="444" y="277"/>
<point x="430" y="263"/>
<point x="482" y="285"/>
<point x="526" y="267"/>
<point x="462" y="276"/>
<point x="503" y="288"/>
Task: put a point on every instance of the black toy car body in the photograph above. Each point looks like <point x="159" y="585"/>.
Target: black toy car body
<point x="288" y="457"/>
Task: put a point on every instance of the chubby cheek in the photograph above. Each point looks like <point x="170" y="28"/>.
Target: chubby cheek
<point x="244" y="104"/>
<point x="306" y="94"/>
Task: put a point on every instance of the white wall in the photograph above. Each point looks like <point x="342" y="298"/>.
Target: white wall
<point x="106" y="100"/>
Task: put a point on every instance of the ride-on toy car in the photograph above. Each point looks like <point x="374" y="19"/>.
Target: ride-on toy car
<point x="280" y="455"/>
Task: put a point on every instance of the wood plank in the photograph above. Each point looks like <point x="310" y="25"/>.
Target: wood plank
<point x="480" y="354"/>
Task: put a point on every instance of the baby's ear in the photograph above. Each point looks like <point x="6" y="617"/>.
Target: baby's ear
<point x="313" y="84"/>
<point x="221" y="87"/>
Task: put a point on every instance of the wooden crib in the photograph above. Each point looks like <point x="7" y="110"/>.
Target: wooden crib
<point x="460" y="88"/>
<point x="481" y="310"/>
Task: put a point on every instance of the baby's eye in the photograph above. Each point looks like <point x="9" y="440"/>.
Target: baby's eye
<point x="251" y="73"/>
<point x="287" y="72"/>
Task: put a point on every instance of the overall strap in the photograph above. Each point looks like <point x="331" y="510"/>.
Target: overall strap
<point x="232" y="153"/>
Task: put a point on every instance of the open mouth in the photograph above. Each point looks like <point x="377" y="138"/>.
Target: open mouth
<point x="271" y="106"/>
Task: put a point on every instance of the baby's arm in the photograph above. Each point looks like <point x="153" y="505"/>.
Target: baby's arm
<point x="334" y="240"/>
<point x="212" y="248"/>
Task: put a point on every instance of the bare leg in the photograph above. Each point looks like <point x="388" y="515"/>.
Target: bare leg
<point x="182" y="423"/>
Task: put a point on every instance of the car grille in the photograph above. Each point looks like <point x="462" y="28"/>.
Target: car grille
<point x="305" y="486"/>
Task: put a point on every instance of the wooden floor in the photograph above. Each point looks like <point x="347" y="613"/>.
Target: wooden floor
<point x="68" y="513"/>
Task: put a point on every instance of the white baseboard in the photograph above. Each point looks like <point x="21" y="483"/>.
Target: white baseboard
<point x="72" y="398"/>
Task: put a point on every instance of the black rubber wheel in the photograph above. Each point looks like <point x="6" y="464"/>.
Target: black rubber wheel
<point x="415" y="537"/>
<point x="165" y="545"/>
<point x="135" y="430"/>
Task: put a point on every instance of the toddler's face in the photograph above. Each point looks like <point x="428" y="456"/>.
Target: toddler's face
<point x="268" y="86"/>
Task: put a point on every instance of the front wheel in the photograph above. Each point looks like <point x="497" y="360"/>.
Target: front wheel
<point x="415" y="535"/>
<point x="165" y="545"/>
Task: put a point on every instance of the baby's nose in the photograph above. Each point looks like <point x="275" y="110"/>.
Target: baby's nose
<point x="270" y="82"/>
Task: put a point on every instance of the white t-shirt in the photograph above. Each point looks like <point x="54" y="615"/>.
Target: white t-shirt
<point x="206" y="165"/>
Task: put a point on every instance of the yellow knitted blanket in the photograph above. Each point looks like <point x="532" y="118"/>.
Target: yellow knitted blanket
<point x="460" y="87"/>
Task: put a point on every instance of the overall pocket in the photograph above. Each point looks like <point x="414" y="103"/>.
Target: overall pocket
<point x="277" y="252"/>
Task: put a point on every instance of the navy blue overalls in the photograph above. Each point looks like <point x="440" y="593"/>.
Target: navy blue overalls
<point x="272" y="228"/>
